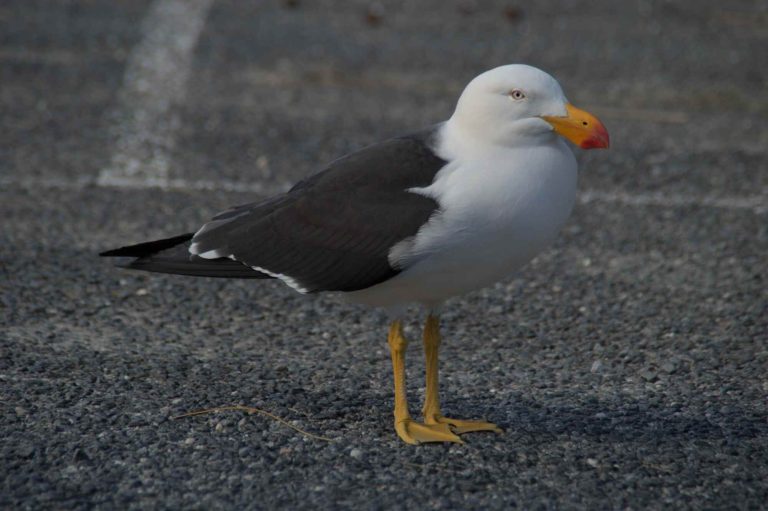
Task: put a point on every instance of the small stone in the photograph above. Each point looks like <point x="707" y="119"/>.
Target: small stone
<point x="374" y="14"/>
<point x="669" y="367"/>
<point x="592" y="462"/>
<point x="356" y="453"/>
<point x="513" y="13"/>
<point x="79" y="455"/>
<point x="596" y="367"/>
<point x="25" y="450"/>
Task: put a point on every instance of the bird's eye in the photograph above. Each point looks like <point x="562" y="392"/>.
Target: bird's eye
<point x="516" y="94"/>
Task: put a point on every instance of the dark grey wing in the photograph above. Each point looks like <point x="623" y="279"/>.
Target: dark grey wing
<point x="334" y="230"/>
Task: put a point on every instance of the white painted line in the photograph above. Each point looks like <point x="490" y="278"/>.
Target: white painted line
<point x="179" y="185"/>
<point x="155" y="82"/>
<point x="224" y="185"/>
<point x="755" y="203"/>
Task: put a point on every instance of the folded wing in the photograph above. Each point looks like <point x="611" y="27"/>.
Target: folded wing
<point x="334" y="230"/>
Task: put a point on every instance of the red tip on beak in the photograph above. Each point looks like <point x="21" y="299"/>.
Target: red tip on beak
<point x="599" y="138"/>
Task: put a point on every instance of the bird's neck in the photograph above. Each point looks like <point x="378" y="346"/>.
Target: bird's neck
<point x="460" y="139"/>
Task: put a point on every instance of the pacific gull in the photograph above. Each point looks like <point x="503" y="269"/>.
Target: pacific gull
<point x="416" y="219"/>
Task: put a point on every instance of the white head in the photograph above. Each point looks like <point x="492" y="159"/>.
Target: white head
<point x="519" y="104"/>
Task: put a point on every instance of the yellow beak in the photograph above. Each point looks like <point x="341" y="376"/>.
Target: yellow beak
<point x="580" y="127"/>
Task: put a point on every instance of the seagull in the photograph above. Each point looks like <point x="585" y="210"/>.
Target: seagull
<point x="416" y="219"/>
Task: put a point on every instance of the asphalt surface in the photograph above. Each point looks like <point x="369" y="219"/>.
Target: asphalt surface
<point x="627" y="365"/>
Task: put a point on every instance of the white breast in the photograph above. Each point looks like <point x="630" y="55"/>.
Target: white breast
<point x="498" y="211"/>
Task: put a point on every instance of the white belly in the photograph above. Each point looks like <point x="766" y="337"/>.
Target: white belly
<point x="496" y="215"/>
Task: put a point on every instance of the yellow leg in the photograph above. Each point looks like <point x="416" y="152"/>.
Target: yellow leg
<point x="409" y="431"/>
<point x="431" y="408"/>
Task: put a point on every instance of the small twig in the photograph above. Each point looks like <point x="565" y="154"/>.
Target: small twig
<point x="251" y="409"/>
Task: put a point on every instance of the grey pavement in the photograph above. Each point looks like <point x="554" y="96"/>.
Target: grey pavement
<point x="628" y="365"/>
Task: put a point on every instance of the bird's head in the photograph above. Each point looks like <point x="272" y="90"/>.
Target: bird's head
<point x="516" y="103"/>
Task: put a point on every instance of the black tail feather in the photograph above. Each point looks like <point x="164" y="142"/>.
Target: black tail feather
<point x="171" y="255"/>
<point x="148" y="248"/>
<point x="222" y="268"/>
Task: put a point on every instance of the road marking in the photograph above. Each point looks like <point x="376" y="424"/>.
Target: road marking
<point x="179" y="185"/>
<point x="146" y="121"/>
<point x="155" y="82"/>
<point x="756" y="203"/>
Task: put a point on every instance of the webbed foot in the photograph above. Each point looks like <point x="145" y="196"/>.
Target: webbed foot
<point x="413" y="432"/>
<point x="460" y="427"/>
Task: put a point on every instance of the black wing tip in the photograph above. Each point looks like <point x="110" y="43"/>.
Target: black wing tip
<point x="115" y="252"/>
<point x="147" y="248"/>
<point x="216" y="268"/>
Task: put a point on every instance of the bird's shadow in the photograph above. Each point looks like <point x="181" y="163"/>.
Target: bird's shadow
<point x="616" y="421"/>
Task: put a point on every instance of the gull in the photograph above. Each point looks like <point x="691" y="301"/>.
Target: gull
<point x="416" y="219"/>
